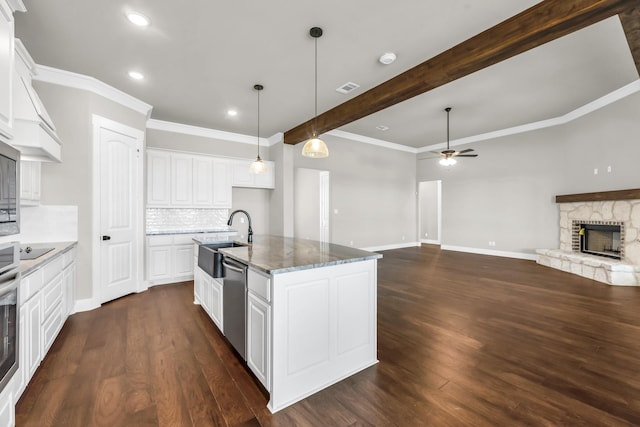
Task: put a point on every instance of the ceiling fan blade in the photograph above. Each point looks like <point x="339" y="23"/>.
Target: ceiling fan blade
<point x="436" y="152"/>
<point x="465" y="151"/>
<point x="467" y="155"/>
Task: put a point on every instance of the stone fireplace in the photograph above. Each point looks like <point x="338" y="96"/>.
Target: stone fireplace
<point x="599" y="237"/>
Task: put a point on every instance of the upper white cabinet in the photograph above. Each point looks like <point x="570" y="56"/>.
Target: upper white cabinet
<point x="7" y="56"/>
<point x="182" y="180"/>
<point x="243" y="177"/>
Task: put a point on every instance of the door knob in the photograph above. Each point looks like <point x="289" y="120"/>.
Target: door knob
<point x="106" y="237"/>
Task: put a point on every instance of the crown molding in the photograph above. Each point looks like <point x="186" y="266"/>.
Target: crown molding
<point x="90" y="84"/>
<point x="209" y="133"/>
<point x="17" y="5"/>
<point x="371" y="141"/>
<point x="592" y="106"/>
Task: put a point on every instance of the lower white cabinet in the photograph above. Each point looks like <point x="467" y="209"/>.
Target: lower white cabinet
<point x="7" y="413"/>
<point x="208" y="293"/>
<point x="169" y="258"/>
<point x="47" y="296"/>
<point x="259" y="326"/>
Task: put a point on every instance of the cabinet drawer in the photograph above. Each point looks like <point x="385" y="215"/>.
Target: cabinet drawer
<point x="68" y="257"/>
<point x="30" y="285"/>
<point x="259" y="284"/>
<point x="52" y="269"/>
<point x="51" y="327"/>
<point x="183" y="239"/>
<point x="161" y="240"/>
<point x="51" y="296"/>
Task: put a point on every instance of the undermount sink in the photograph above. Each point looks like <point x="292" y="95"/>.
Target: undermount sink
<point x="210" y="260"/>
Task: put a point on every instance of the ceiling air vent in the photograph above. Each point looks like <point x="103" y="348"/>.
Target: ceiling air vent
<point x="347" y="87"/>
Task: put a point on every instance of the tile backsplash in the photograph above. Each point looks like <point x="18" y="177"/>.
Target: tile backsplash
<point x="187" y="220"/>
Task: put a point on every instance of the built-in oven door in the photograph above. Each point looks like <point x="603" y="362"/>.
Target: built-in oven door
<point x="8" y="328"/>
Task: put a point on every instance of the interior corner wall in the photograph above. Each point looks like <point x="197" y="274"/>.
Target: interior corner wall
<point x="203" y="145"/>
<point x="507" y="194"/>
<point x="373" y="189"/>
<point x="428" y="197"/>
<point x="281" y="215"/>
<point x="70" y="182"/>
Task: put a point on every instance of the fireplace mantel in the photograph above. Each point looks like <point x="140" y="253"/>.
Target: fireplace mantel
<point x="600" y="196"/>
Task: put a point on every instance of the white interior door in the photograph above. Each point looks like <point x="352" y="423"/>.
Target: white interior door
<point x="120" y="249"/>
<point x="311" y="204"/>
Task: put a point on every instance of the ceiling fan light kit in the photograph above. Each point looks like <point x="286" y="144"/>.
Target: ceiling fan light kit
<point x="449" y="154"/>
<point x="258" y="166"/>
<point x="315" y="147"/>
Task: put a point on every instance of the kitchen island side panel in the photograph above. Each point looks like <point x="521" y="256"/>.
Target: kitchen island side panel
<point x="324" y="328"/>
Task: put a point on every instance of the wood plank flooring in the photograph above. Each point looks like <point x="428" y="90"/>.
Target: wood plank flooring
<point x="463" y="339"/>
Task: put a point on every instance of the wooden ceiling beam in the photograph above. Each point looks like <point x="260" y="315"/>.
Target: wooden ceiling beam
<point x="542" y="23"/>
<point x="630" y="19"/>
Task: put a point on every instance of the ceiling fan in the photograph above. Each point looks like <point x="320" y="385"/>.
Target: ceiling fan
<point x="448" y="155"/>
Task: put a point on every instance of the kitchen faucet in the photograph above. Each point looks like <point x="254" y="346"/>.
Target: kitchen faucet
<point x="250" y="230"/>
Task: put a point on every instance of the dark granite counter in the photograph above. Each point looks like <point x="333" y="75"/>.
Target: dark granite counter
<point x="28" y="266"/>
<point x="276" y="254"/>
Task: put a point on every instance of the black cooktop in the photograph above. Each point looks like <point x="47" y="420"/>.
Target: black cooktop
<point x="29" y="253"/>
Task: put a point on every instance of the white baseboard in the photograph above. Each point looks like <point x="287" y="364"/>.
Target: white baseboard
<point x="492" y="252"/>
<point x="430" y="241"/>
<point x="389" y="247"/>
<point x="87" y="304"/>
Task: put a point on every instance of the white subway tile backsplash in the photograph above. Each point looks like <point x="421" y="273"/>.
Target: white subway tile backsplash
<point x="185" y="220"/>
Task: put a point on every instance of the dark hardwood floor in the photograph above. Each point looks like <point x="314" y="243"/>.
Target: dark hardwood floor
<point x="463" y="340"/>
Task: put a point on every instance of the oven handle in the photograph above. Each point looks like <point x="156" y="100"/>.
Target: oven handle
<point x="9" y="284"/>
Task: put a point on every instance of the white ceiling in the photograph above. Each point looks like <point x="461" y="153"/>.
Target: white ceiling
<point x="201" y="58"/>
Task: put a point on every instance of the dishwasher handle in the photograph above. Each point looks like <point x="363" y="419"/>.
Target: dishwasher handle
<point x="239" y="268"/>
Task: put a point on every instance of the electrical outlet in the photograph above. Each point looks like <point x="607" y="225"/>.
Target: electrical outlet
<point x="241" y="220"/>
<point x="595" y="171"/>
<point x="351" y="242"/>
<point x="609" y="169"/>
<point x="335" y="211"/>
<point x="403" y="238"/>
<point x="426" y="234"/>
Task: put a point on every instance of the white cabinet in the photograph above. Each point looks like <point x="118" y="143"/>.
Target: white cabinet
<point x="7" y="56"/>
<point x="222" y="183"/>
<point x="30" y="178"/>
<point x="69" y="281"/>
<point x="158" y="179"/>
<point x="202" y="181"/>
<point x="208" y="293"/>
<point x="243" y="177"/>
<point x="7" y="412"/>
<point x="181" y="180"/>
<point x="259" y="326"/>
<point x="169" y="258"/>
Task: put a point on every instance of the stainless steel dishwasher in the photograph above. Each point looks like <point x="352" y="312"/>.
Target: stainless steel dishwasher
<point x="234" y="303"/>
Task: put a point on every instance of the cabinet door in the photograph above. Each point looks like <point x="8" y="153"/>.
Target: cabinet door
<point x="158" y="263"/>
<point x="158" y="179"/>
<point x="242" y="175"/>
<point x="259" y="338"/>
<point x="183" y="261"/>
<point x="216" y="303"/>
<point x="222" y="190"/>
<point x="6" y="69"/>
<point x="69" y="278"/>
<point x="34" y="319"/>
<point x="197" y="285"/>
<point x="202" y="181"/>
<point x="23" y="345"/>
<point x="267" y="179"/>
<point x="181" y="180"/>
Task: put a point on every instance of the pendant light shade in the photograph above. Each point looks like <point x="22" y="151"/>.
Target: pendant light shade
<point x="258" y="165"/>
<point x="315" y="147"/>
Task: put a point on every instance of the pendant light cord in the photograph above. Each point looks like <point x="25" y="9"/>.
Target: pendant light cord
<point x="315" y="117"/>
<point x="258" y="123"/>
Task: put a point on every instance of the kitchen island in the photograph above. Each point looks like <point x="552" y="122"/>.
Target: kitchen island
<point x="310" y="313"/>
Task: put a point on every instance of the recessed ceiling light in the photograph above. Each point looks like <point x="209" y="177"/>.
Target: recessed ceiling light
<point x="382" y="127"/>
<point x="232" y="113"/>
<point x="138" y="19"/>
<point x="387" y="58"/>
<point x="136" y="75"/>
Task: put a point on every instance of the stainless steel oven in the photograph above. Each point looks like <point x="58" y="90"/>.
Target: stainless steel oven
<point x="8" y="326"/>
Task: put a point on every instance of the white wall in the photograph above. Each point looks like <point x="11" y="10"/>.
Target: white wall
<point x="507" y="194"/>
<point x="373" y="190"/>
<point x="307" y="204"/>
<point x="428" y="199"/>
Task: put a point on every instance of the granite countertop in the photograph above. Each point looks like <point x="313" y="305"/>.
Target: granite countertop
<point x="208" y="231"/>
<point x="276" y="254"/>
<point x="28" y="266"/>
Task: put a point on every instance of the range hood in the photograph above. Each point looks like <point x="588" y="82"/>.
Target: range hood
<point x="34" y="133"/>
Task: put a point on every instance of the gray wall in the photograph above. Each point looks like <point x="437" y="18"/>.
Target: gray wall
<point x="374" y="190"/>
<point x="307" y="204"/>
<point x="69" y="182"/>
<point x="507" y="194"/>
<point x="256" y="202"/>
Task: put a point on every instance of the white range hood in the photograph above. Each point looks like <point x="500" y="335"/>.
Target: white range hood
<point x="34" y="133"/>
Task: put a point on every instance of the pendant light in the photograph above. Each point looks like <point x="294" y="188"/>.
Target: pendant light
<point x="315" y="147"/>
<point x="448" y="159"/>
<point x="258" y="165"/>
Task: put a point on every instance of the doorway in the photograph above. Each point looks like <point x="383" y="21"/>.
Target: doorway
<point x="430" y="212"/>
<point x="118" y="209"/>
<point x="311" y="204"/>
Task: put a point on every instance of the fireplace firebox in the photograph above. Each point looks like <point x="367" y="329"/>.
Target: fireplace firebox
<point x="601" y="238"/>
